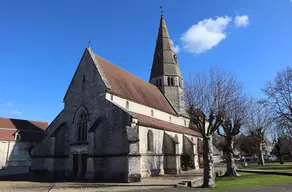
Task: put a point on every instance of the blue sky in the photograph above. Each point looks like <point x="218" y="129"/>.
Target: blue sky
<point x="41" y="43"/>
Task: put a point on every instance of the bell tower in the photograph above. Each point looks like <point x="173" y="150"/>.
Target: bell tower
<point x="165" y="71"/>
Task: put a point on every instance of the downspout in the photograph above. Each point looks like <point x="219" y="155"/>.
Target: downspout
<point x="6" y="163"/>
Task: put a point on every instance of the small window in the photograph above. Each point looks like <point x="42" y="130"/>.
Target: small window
<point x="176" y="137"/>
<point x="157" y="58"/>
<point x="192" y="138"/>
<point x="127" y="104"/>
<point x="168" y="81"/>
<point x="185" y="122"/>
<point x="169" y="118"/>
<point x="152" y="113"/>
<point x="83" y="79"/>
<point x="112" y="97"/>
<point x="149" y="140"/>
<point x="179" y="83"/>
<point x="160" y="82"/>
<point x="175" y="58"/>
<point x="18" y="137"/>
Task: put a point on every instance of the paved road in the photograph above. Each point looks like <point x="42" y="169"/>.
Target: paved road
<point x="69" y="187"/>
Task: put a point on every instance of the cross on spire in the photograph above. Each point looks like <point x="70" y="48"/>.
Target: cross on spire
<point x="161" y="10"/>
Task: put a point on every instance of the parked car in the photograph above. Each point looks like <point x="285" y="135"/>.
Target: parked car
<point x="273" y="158"/>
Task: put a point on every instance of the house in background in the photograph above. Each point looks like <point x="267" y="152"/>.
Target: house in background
<point x="16" y="138"/>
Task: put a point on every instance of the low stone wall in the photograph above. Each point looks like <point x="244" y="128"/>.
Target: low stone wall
<point x="264" y="172"/>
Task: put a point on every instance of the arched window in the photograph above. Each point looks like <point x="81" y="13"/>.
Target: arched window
<point x="168" y="81"/>
<point x="152" y="113"/>
<point x="172" y="82"/>
<point x="127" y="105"/>
<point x="82" y="126"/>
<point x="149" y="141"/>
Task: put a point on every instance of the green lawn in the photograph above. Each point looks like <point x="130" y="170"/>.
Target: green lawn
<point x="273" y="166"/>
<point x="247" y="180"/>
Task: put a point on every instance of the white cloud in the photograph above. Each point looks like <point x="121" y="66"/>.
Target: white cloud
<point x="176" y="48"/>
<point x="9" y="104"/>
<point x="205" y="34"/>
<point x="15" y="112"/>
<point x="241" y="21"/>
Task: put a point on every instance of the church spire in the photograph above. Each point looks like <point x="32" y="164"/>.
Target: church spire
<point x="165" y="72"/>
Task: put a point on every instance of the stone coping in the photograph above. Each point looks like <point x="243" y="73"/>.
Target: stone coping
<point x="264" y="172"/>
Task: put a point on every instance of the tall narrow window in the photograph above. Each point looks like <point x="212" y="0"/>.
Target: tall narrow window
<point x="127" y="105"/>
<point x="82" y="127"/>
<point x="168" y="81"/>
<point x="179" y="83"/>
<point x="172" y="82"/>
<point x="112" y="97"/>
<point x="160" y="82"/>
<point x="152" y="113"/>
<point x="157" y="82"/>
<point x="185" y="122"/>
<point x="149" y="141"/>
<point x="169" y="118"/>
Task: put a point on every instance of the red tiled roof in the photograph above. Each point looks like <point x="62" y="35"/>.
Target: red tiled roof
<point x="27" y="136"/>
<point x="31" y="131"/>
<point x="129" y="86"/>
<point x="156" y="123"/>
<point x="22" y="124"/>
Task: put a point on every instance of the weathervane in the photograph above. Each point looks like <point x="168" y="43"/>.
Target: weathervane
<point x="161" y="10"/>
<point x="89" y="43"/>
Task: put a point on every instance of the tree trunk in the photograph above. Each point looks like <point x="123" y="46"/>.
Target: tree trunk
<point x="261" y="161"/>
<point x="209" y="174"/>
<point x="280" y="154"/>
<point x="230" y="162"/>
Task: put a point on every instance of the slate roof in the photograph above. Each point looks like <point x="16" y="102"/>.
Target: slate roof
<point x="164" y="125"/>
<point x="31" y="131"/>
<point x="131" y="87"/>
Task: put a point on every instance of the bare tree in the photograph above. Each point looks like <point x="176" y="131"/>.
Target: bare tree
<point x="259" y="123"/>
<point x="207" y="98"/>
<point x="279" y="95"/>
<point x="280" y="136"/>
<point x="235" y="116"/>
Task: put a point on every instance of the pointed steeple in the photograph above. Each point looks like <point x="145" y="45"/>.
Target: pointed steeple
<point x="165" y="72"/>
<point x="165" y="59"/>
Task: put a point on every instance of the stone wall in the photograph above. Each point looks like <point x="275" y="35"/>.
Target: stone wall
<point x="107" y="145"/>
<point x="14" y="157"/>
<point x="163" y="155"/>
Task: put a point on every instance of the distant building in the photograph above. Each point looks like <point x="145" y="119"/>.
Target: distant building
<point x="116" y="126"/>
<point x="16" y="138"/>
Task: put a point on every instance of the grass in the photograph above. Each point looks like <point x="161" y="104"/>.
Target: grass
<point x="250" y="180"/>
<point x="273" y="166"/>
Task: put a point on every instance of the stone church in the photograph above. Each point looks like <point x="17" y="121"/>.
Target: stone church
<point x="118" y="127"/>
